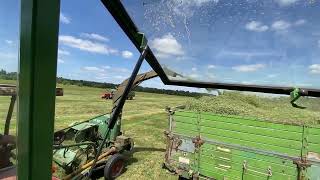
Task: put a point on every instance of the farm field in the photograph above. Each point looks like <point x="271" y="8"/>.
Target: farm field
<point x="145" y="120"/>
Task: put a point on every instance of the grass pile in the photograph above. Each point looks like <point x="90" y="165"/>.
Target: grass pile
<point x="276" y="108"/>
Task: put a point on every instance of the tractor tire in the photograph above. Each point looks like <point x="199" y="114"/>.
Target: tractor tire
<point x="114" y="166"/>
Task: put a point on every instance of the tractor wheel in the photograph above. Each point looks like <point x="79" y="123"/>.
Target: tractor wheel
<point x="114" y="166"/>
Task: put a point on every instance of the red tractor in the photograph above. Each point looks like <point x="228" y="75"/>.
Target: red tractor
<point x="111" y="94"/>
<point x="108" y="95"/>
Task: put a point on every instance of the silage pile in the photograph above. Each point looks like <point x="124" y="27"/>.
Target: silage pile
<point x="276" y="109"/>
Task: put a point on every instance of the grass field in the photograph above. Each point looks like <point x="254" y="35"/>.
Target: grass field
<point x="145" y="120"/>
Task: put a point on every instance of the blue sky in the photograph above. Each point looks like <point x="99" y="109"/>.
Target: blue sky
<point x="261" y="42"/>
<point x="274" y="42"/>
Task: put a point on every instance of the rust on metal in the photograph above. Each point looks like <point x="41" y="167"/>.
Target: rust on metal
<point x="302" y="163"/>
<point x="198" y="142"/>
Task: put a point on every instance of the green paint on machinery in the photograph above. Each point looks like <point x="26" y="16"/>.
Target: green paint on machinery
<point x="77" y="144"/>
<point x="206" y="145"/>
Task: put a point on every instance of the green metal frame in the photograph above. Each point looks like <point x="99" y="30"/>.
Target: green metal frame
<point x="234" y="147"/>
<point x="37" y="81"/>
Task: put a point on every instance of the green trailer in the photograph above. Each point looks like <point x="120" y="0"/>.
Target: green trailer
<point x="207" y="145"/>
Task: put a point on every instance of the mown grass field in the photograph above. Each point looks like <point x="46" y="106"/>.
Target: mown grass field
<point x="145" y="120"/>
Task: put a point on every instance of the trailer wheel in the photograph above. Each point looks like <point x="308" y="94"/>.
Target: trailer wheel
<point x="114" y="166"/>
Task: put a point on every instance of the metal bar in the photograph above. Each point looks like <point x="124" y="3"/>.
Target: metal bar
<point x="72" y="145"/>
<point x="122" y="17"/>
<point x="39" y="25"/>
<point x="239" y="147"/>
<point x="302" y="171"/>
<point x="119" y="13"/>
<point x="269" y="153"/>
<point x="9" y="115"/>
<point x="242" y="87"/>
<point x="116" y="111"/>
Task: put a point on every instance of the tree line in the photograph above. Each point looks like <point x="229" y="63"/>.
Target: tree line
<point x="60" y="80"/>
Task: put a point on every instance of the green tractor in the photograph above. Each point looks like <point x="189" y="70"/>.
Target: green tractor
<point x="76" y="148"/>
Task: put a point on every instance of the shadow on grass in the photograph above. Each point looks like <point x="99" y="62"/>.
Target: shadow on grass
<point x="142" y="149"/>
<point x="132" y="160"/>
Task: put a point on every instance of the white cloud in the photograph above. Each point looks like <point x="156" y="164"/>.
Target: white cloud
<point x="315" y="69"/>
<point x="9" y="42"/>
<point x="194" y="69"/>
<point x="166" y="46"/>
<point x="92" y="69"/>
<point x="86" y="45"/>
<point x="106" y="67"/>
<point x="256" y="26"/>
<point x="247" y="82"/>
<point x="300" y="22"/>
<point x="194" y="76"/>
<point x="60" y="54"/>
<point x="63" y="52"/>
<point x="102" y="77"/>
<point x="60" y="61"/>
<point x="272" y="75"/>
<point x="94" y="36"/>
<point x="8" y="55"/>
<point x="281" y="25"/>
<point x="65" y="19"/>
<point x="248" y="68"/>
<point x="245" y="54"/>
<point x="127" y="54"/>
<point x="123" y="70"/>
<point x="286" y="2"/>
<point x="119" y="77"/>
<point x="210" y="76"/>
<point x="211" y="66"/>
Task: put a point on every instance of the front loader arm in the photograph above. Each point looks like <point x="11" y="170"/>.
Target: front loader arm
<point x="138" y="80"/>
